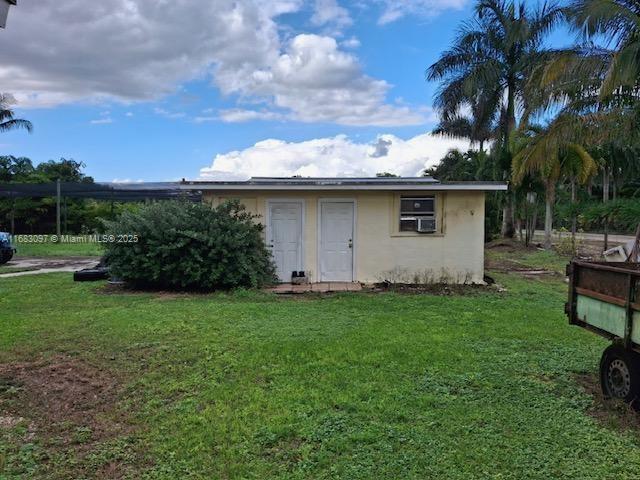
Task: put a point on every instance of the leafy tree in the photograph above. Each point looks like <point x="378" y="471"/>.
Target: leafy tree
<point x="38" y="214"/>
<point x="65" y="170"/>
<point x="620" y="215"/>
<point x="459" y="166"/>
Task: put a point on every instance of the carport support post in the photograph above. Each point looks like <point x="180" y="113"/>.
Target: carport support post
<point x="13" y="215"/>
<point x="65" y="216"/>
<point x="58" y="207"/>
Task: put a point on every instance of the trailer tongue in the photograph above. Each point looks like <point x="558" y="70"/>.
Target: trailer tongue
<point x="603" y="298"/>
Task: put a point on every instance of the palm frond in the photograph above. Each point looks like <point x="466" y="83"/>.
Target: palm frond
<point x="587" y="167"/>
<point x="16" y="123"/>
<point x="624" y="69"/>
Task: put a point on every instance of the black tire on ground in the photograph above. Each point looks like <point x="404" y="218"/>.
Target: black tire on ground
<point x="620" y="374"/>
<point x="91" y="275"/>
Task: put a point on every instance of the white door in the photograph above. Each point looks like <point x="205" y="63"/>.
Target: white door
<point x="285" y="237"/>
<point x="336" y="241"/>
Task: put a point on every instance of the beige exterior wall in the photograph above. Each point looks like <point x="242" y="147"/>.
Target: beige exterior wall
<point x="454" y="254"/>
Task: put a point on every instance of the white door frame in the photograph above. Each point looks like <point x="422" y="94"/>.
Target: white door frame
<point x="269" y="238"/>
<point x="353" y="238"/>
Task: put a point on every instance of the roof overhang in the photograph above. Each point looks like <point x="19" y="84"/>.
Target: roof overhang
<point x="342" y="184"/>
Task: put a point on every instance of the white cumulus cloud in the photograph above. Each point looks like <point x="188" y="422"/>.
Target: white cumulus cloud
<point x="352" y="42"/>
<point x="167" y="114"/>
<point x="337" y="156"/>
<point x="317" y="82"/>
<point x="68" y="51"/>
<point x="235" y="115"/>
<point x="395" y="9"/>
<point x="329" y="12"/>
<point x="101" y="121"/>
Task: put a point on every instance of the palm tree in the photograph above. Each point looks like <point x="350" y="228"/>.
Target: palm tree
<point x="489" y="64"/>
<point x="618" y="21"/>
<point x="543" y="153"/>
<point x="7" y="122"/>
<point x="578" y="169"/>
<point x="597" y="83"/>
<point x="476" y="127"/>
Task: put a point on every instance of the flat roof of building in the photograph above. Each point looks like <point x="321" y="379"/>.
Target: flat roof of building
<point x="341" y="183"/>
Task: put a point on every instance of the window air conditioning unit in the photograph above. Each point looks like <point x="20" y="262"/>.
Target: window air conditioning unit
<point x="426" y="225"/>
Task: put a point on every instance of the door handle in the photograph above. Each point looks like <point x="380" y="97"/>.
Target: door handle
<point x="350" y="243"/>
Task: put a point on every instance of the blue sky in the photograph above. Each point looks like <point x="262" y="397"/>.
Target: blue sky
<point x="137" y="91"/>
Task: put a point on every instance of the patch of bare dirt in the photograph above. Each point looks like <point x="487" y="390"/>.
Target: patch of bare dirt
<point x="508" y="245"/>
<point x="64" y="388"/>
<point x="124" y="289"/>
<point x="502" y="263"/>
<point x="9" y="421"/>
<point x="438" y="289"/>
<point x="608" y="412"/>
<point x="68" y="404"/>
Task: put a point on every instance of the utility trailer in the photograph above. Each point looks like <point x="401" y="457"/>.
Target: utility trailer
<point x="604" y="298"/>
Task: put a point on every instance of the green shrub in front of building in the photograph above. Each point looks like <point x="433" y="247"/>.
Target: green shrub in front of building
<point x="188" y="246"/>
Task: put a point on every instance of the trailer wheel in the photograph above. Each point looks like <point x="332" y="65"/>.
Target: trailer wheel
<point x="620" y="374"/>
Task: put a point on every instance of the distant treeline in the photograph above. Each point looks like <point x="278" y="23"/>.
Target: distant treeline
<point x="38" y="215"/>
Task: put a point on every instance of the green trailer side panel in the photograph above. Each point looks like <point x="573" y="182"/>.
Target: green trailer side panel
<point x="606" y="316"/>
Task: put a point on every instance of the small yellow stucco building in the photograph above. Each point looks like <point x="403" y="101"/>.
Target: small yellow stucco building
<point x="405" y="230"/>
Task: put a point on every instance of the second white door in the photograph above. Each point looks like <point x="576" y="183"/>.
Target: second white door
<point x="336" y="241"/>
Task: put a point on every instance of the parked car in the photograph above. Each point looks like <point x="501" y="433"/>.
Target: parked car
<point x="604" y="298"/>
<point x="6" y="248"/>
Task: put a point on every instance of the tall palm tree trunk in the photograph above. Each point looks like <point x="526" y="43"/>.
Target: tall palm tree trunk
<point x="605" y="199"/>
<point x="574" y="216"/>
<point x="530" y="208"/>
<point x="548" y="213"/>
<point x="508" y="229"/>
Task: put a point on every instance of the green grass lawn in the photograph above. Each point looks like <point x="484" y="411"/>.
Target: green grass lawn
<point x="5" y="269"/>
<point x="531" y="258"/>
<point x="51" y="249"/>
<point x="353" y="386"/>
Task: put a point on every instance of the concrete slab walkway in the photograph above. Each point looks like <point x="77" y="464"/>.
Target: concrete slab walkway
<point x="323" y="287"/>
<point x="36" y="265"/>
